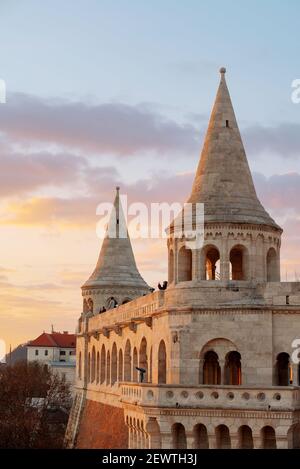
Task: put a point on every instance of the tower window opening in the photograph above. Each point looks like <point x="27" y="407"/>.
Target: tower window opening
<point x="227" y="123"/>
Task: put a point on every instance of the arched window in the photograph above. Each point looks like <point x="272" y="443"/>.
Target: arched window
<point x="108" y="368"/>
<point x="162" y="363"/>
<point x="150" y="371"/>
<point x="294" y="437"/>
<point x="98" y="368"/>
<point x="245" y="437"/>
<point x="120" y="366"/>
<point x="79" y="365"/>
<point x="268" y="438"/>
<point x="90" y="305"/>
<point x="283" y="369"/>
<point x="143" y="359"/>
<point x="223" y="437"/>
<point x="211" y="368"/>
<point x="272" y="270"/>
<point x="239" y="260"/>
<point x="233" y="369"/>
<point x="127" y="362"/>
<point x="93" y="365"/>
<point x="85" y="306"/>
<point x="171" y="266"/>
<point x="89" y="368"/>
<point x="184" y="264"/>
<point x="178" y="436"/>
<point x="135" y="364"/>
<point x="212" y="264"/>
<point x="200" y="437"/>
<point x="103" y="363"/>
<point x="114" y="364"/>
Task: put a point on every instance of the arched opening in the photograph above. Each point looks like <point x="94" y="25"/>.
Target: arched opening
<point x="268" y="438"/>
<point x="171" y="266"/>
<point x="108" y="368"/>
<point x="98" y="368"/>
<point x="212" y="264"/>
<point x="211" y="368"/>
<point x="89" y="368"/>
<point x="103" y="362"/>
<point x="127" y="361"/>
<point x="184" y="264"/>
<point x="272" y="275"/>
<point x="135" y="364"/>
<point x="85" y="306"/>
<point x="245" y="437"/>
<point x="233" y="369"/>
<point x="200" y="437"/>
<point x="294" y="437"/>
<point x="90" y="305"/>
<point x="223" y="437"/>
<point x="153" y="429"/>
<point x="143" y="359"/>
<point x="120" y="365"/>
<point x="114" y="364"/>
<point x="150" y="370"/>
<point x="126" y="300"/>
<point x="178" y="436"/>
<point x="93" y="366"/>
<point x="239" y="261"/>
<point x="283" y="369"/>
<point x="111" y="303"/>
<point x="79" y="366"/>
<point x="162" y="363"/>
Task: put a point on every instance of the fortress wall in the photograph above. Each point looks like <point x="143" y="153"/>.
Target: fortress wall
<point x="102" y="426"/>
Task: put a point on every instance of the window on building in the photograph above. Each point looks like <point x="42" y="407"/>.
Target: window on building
<point x="36" y="352"/>
<point x="62" y="352"/>
<point x="46" y="353"/>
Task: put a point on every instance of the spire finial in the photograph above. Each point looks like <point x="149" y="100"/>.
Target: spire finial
<point x="222" y="70"/>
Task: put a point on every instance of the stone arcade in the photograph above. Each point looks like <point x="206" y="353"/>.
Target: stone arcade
<point x="216" y="344"/>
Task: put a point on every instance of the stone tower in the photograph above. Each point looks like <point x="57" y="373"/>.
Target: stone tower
<point x="217" y="346"/>
<point x="241" y="241"/>
<point x="116" y="279"/>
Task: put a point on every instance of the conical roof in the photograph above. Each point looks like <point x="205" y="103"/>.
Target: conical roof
<point x="223" y="180"/>
<point x="116" y="264"/>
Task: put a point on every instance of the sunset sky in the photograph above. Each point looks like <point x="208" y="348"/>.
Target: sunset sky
<point x="105" y="93"/>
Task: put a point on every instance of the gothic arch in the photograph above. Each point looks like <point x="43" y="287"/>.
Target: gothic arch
<point x="127" y="361"/>
<point x="162" y="363"/>
<point x="239" y="262"/>
<point x="120" y="366"/>
<point x="184" y="264"/>
<point x="283" y="369"/>
<point x="272" y="265"/>
<point x="108" y="368"/>
<point x="211" y="368"/>
<point x="143" y="358"/>
<point x="233" y="369"/>
<point x="114" y="364"/>
<point x="98" y="368"/>
<point x="210" y="263"/>
<point x="134" y="365"/>
<point x="93" y="365"/>
<point x="103" y="365"/>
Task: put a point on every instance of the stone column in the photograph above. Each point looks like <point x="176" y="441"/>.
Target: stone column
<point x="166" y="440"/>
<point x="257" y="441"/>
<point x="235" y="441"/>
<point x="295" y="373"/>
<point x="222" y="366"/>
<point x="212" y="440"/>
<point x="224" y="261"/>
<point x="194" y="264"/>
<point x="190" y="440"/>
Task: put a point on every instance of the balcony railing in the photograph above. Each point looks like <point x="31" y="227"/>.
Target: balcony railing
<point x="205" y="396"/>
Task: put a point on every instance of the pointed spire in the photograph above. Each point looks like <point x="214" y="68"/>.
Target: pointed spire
<point x="223" y="180"/>
<point x="116" y="264"/>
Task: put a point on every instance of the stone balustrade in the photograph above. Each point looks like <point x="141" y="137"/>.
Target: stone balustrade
<point x="229" y="397"/>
